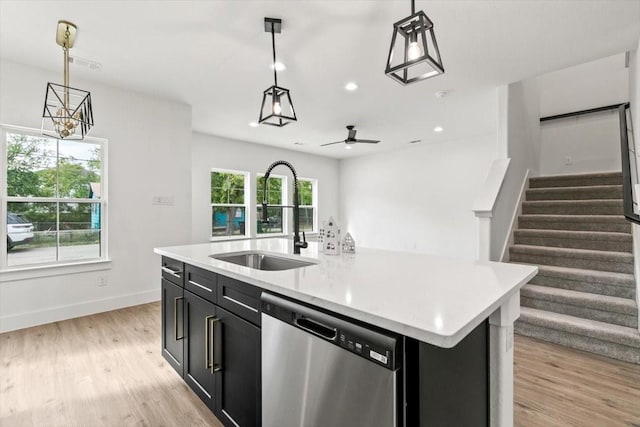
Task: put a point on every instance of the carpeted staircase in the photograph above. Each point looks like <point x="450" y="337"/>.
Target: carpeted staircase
<point x="573" y="228"/>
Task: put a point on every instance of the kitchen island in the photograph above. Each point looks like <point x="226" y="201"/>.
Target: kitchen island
<point x="435" y="302"/>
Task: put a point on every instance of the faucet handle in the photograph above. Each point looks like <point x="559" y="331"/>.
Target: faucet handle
<point x="304" y="243"/>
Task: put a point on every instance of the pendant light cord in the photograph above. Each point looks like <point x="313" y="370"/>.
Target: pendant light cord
<point x="273" y="44"/>
<point x="413" y="7"/>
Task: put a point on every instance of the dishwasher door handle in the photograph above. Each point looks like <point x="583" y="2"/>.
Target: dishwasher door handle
<point x="316" y="328"/>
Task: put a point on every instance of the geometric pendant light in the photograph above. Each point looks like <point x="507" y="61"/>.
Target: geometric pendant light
<point x="68" y="113"/>
<point x="414" y="54"/>
<point x="277" y="108"/>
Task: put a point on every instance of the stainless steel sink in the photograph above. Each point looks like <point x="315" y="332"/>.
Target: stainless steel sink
<point x="262" y="261"/>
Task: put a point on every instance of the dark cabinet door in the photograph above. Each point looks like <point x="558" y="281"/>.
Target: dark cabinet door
<point x="172" y="324"/>
<point x="200" y="324"/>
<point x="238" y="383"/>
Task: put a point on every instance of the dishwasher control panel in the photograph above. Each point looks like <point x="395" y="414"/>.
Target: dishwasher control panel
<point x="374" y="346"/>
<point x="360" y="345"/>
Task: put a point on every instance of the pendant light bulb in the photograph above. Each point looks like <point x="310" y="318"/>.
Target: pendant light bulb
<point x="414" y="51"/>
<point x="276" y="107"/>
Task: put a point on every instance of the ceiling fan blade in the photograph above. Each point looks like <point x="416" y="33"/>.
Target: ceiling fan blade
<point x="367" y="141"/>
<point x="331" y="143"/>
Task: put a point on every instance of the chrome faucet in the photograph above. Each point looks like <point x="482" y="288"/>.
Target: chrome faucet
<point x="297" y="243"/>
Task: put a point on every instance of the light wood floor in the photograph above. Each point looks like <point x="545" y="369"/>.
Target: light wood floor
<point x="106" y="370"/>
<point x="558" y="386"/>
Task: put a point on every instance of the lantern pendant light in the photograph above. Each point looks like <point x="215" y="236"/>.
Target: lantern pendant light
<point x="414" y="54"/>
<point x="68" y="113"/>
<point x="277" y="109"/>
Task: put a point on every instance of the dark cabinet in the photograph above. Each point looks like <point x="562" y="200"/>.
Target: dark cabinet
<point x="172" y="324"/>
<point x="173" y="271"/>
<point x="200" y="364"/>
<point x="211" y="336"/>
<point x="238" y="381"/>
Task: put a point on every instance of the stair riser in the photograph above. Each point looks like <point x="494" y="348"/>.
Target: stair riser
<point x="584" y="286"/>
<point x="612" y="179"/>
<point x="560" y="208"/>
<point x="574" y="194"/>
<point x="615" y="227"/>
<point x="600" y="245"/>
<point x="627" y="320"/>
<point x="589" y="264"/>
<point x="592" y="345"/>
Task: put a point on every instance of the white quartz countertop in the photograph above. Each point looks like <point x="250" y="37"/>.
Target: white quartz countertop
<point x="434" y="299"/>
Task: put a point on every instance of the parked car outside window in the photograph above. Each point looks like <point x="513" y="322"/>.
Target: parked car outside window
<point x="19" y="230"/>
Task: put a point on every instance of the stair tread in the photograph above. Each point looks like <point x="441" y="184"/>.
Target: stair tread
<point x="591" y="328"/>
<point x="579" y="175"/>
<point x="573" y="234"/>
<point x="576" y="187"/>
<point x="560" y="180"/>
<point x="585" y="299"/>
<point x="575" y="202"/>
<point x="575" y="218"/>
<point x="624" y="279"/>
<point x="573" y="253"/>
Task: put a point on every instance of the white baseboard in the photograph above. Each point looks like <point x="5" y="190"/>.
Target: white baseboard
<point x="514" y="219"/>
<point x="85" y="308"/>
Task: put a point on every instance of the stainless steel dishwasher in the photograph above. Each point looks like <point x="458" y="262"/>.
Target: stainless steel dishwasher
<point x="321" y="371"/>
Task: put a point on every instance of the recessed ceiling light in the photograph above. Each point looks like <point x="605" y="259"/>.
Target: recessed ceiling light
<point x="253" y="124"/>
<point x="347" y="147"/>
<point x="415" y="141"/>
<point x="279" y="66"/>
<point x="441" y="93"/>
<point x="438" y="129"/>
<point x="298" y="143"/>
<point x="351" y="86"/>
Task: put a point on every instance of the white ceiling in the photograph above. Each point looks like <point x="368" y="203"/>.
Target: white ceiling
<point x="215" y="56"/>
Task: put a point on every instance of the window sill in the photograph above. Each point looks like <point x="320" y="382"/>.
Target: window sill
<point x="24" y="273"/>
<point x="228" y="238"/>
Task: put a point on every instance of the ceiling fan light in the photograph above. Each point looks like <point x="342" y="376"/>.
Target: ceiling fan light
<point x="413" y="54"/>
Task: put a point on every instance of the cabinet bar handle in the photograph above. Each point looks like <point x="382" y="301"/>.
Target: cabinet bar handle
<point x="175" y="318"/>
<point x="200" y="286"/>
<point x="174" y="273"/>
<point x="241" y="304"/>
<point x="214" y="368"/>
<point x="209" y="338"/>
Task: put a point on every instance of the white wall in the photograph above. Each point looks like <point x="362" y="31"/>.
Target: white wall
<point x="417" y="199"/>
<point x="149" y="155"/>
<point x="215" y="152"/>
<point x="594" y="84"/>
<point x="519" y="138"/>
<point x="591" y="142"/>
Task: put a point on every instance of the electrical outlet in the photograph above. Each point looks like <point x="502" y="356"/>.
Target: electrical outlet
<point x="102" y="281"/>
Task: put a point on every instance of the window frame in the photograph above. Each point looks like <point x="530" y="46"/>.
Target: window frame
<point x="314" y="201"/>
<point x="42" y="269"/>
<point x="248" y="216"/>
<point x="285" y="211"/>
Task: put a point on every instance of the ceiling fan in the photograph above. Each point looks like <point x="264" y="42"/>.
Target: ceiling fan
<point x="351" y="138"/>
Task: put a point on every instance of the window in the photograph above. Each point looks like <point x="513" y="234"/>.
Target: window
<point x="52" y="199"/>
<point x="275" y="196"/>
<point x="228" y="203"/>
<point x="308" y="191"/>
